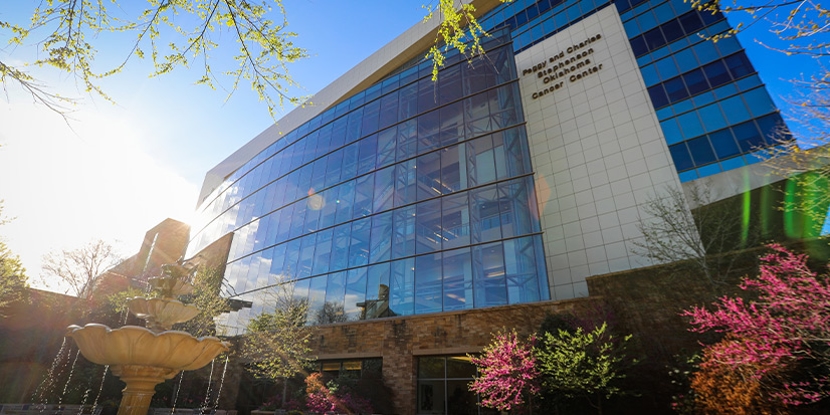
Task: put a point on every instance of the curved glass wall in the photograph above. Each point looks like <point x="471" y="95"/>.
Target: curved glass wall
<point x="410" y="197"/>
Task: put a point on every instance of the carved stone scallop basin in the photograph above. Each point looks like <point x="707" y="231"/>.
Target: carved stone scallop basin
<point x="162" y="313"/>
<point x="142" y="358"/>
<point x="133" y="345"/>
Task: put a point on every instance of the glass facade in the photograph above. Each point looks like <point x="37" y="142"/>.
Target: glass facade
<point x="711" y="104"/>
<point x="415" y="197"/>
<point x="410" y="197"/>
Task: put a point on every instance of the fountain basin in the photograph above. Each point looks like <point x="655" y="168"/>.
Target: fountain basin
<point x="139" y="346"/>
<point x="161" y="313"/>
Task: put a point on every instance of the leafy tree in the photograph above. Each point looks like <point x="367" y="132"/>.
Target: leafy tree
<point x="206" y="297"/>
<point x="13" y="280"/>
<point x="583" y="363"/>
<point x="719" y="389"/>
<point x="779" y="337"/>
<point x="277" y="342"/>
<point x="331" y="397"/>
<point x="176" y="33"/>
<point x="508" y="376"/>
<point x="79" y="268"/>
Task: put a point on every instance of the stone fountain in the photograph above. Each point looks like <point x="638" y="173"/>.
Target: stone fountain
<point x="144" y="357"/>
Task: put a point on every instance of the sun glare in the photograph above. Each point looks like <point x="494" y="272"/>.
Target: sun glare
<point x="67" y="187"/>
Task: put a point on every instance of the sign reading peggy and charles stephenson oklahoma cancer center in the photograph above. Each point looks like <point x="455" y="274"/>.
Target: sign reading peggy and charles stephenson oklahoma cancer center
<point x="572" y="64"/>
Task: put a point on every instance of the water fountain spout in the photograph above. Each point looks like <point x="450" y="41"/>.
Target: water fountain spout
<point x="144" y="357"/>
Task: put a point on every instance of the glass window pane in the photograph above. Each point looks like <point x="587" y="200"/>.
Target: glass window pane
<point x="322" y="255"/>
<point x="481" y="162"/>
<point x="521" y="273"/>
<point x="367" y="153"/>
<point x="748" y="136"/>
<point x="658" y="96"/>
<point x="449" y="84"/>
<point x="691" y="22"/>
<point x="455" y="221"/>
<point x="316" y="297"/>
<point x="428" y="298"/>
<point x="672" y="30"/>
<point x="458" y="280"/>
<point x="695" y="81"/>
<point x="724" y="144"/>
<point x="403" y="237"/>
<point x="716" y="73"/>
<point x="405" y="183"/>
<point x="377" y="293"/>
<point x="485" y="217"/>
<point x="682" y="158"/>
<point x="356" y="294"/>
<point x="407" y="140"/>
<point x="428" y="128"/>
<point x="488" y="275"/>
<point x="381" y="238"/>
<point x="344" y="201"/>
<point x="654" y="38"/>
<point x="386" y="147"/>
<point x="364" y="191"/>
<point x="402" y="287"/>
<point x="359" y="243"/>
<point x="675" y="89"/>
<point x="701" y="151"/>
<point x="451" y="129"/>
<point x="739" y="65"/>
<point x="408" y="105"/>
<point x="340" y="247"/>
<point x="388" y="110"/>
<point x="333" y="310"/>
<point x="450" y="174"/>
<point x="429" y="176"/>
<point x="384" y="189"/>
<point x="428" y="226"/>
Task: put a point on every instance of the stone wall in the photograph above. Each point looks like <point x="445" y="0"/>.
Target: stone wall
<point x="400" y="341"/>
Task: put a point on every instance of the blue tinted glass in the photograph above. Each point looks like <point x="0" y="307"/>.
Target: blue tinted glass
<point x="490" y="288"/>
<point x="691" y="22"/>
<point x="654" y="38"/>
<point x="739" y="65"/>
<point x="695" y="81"/>
<point x="748" y="136"/>
<point x="667" y="68"/>
<point x="759" y="102"/>
<point x="685" y="60"/>
<point x="709" y="170"/>
<point x="712" y="117"/>
<point x="706" y="51"/>
<point x="701" y="151"/>
<point x="675" y="89"/>
<point x="735" y="109"/>
<point x="381" y="240"/>
<point x="647" y="21"/>
<point x="658" y="96"/>
<point x="773" y="128"/>
<point x="650" y="75"/>
<point x="690" y="125"/>
<point x="724" y="144"/>
<point x="402" y="287"/>
<point x="428" y="297"/>
<point x="638" y="45"/>
<point x="671" y="131"/>
<point x="457" y="280"/>
<point x="680" y="155"/>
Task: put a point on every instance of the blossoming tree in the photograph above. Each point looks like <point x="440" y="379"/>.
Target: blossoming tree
<point x="786" y="325"/>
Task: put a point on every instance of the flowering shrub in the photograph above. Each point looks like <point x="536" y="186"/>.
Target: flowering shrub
<point x="788" y="323"/>
<point x="330" y="397"/>
<point x="507" y="372"/>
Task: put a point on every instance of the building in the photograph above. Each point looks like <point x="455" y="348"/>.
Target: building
<point x="508" y="182"/>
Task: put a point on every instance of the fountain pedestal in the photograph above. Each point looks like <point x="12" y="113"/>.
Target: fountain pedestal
<point x="141" y="386"/>
<point x="144" y="357"/>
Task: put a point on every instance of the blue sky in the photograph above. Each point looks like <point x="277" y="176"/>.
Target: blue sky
<point x="117" y="170"/>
